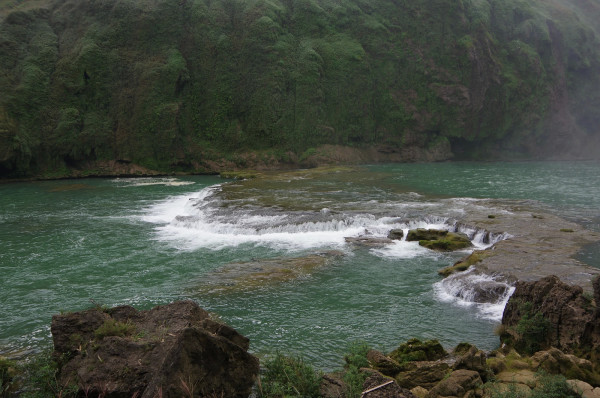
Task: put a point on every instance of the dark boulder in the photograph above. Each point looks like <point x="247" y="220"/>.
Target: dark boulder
<point x="396" y="234"/>
<point x="172" y="351"/>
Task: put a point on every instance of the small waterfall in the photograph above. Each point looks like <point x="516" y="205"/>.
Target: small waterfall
<point x="488" y="293"/>
<point x="481" y="238"/>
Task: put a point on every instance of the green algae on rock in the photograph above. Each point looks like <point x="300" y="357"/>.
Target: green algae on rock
<point x="465" y="263"/>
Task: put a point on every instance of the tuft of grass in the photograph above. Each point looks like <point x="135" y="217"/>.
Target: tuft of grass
<point x="111" y="327"/>
<point x="289" y="376"/>
<point x="566" y="230"/>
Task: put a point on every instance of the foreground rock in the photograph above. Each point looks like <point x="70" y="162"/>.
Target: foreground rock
<point x="173" y="350"/>
<point x="550" y="313"/>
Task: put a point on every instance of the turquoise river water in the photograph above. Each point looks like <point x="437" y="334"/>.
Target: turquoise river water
<point x="67" y="244"/>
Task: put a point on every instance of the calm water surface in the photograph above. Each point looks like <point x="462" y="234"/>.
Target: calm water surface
<point x="150" y="241"/>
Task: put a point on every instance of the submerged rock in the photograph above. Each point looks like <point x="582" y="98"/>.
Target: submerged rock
<point x="262" y="272"/>
<point x="168" y="351"/>
<point x="368" y="241"/>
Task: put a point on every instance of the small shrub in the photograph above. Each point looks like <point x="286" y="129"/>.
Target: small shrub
<point x="533" y="329"/>
<point x="355" y="360"/>
<point x="552" y="386"/>
<point x="7" y="376"/>
<point x="40" y="378"/>
<point x="111" y="327"/>
<point x="287" y="376"/>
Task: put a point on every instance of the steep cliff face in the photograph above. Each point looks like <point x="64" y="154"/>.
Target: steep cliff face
<point x="180" y="84"/>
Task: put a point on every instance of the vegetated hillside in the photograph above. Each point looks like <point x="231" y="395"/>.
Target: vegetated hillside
<point x="180" y="84"/>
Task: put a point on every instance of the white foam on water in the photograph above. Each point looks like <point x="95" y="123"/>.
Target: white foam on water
<point x="403" y="249"/>
<point x="219" y="236"/>
<point x="460" y="289"/>
<point x="165" y="211"/>
<point x="147" y="181"/>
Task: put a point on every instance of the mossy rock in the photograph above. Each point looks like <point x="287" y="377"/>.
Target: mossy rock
<point x="440" y="240"/>
<point x="417" y="350"/>
<point x="239" y="175"/>
<point x="445" y="245"/>
<point x="420" y="234"/>
<point x="465" y="263"/>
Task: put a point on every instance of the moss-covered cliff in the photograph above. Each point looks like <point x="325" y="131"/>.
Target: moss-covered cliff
<point x="179" y="84"/>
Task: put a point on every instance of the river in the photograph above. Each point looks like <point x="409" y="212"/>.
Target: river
<point x="69" y="244"/>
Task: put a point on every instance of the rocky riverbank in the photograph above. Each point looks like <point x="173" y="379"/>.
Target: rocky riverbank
<point x="550" y="338"/>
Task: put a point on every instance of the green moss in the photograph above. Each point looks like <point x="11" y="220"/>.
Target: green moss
<point x="417" y="350"/>
<point x="464" y="264"/>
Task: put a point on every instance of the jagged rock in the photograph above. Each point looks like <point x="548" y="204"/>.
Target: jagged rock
<point x="390" y="390"/>
<point x="122" y="352"/>
<point x="574" y="320"/>
<point x="439" y="239"/>
<point x="417" y="350"/>
<point x="396" y="234"/>
<point x="471" y="359"/>
<point x="555" y="361"/>
<point x="458" y="384"/>
<point x="425" y="374"/>
<point x="382" y="363"/>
